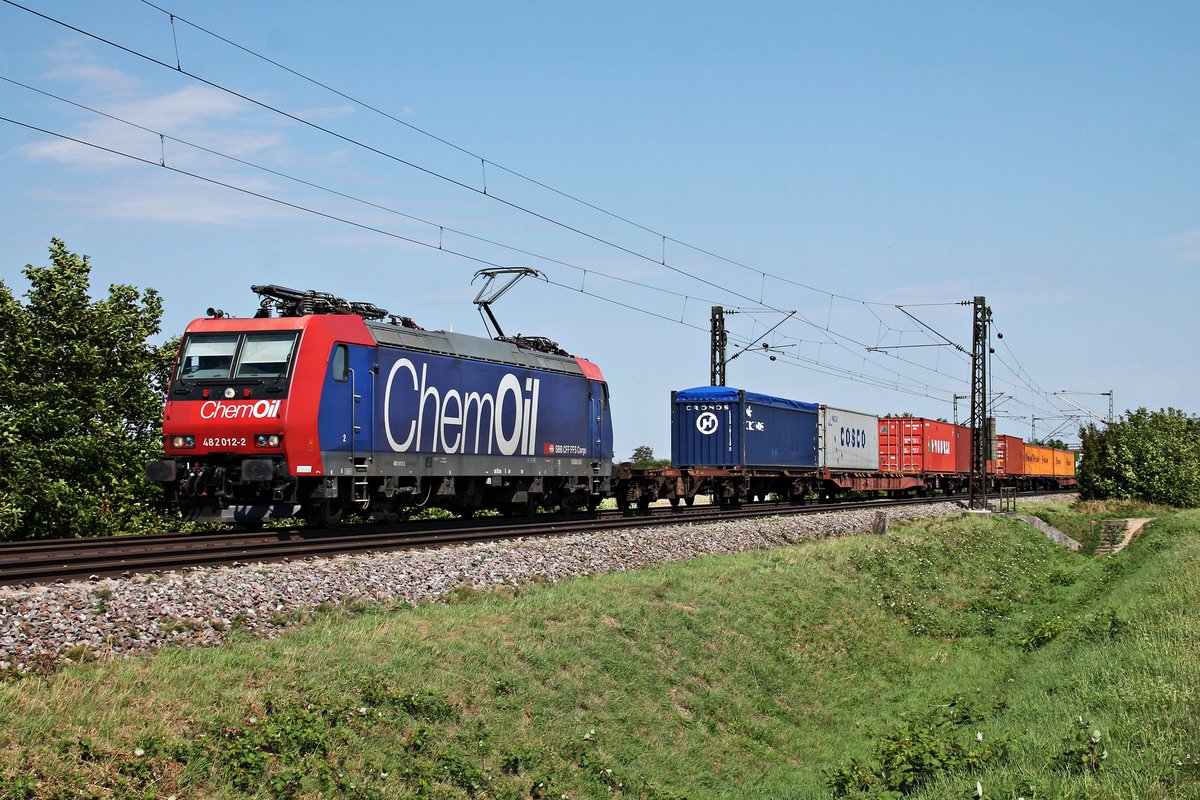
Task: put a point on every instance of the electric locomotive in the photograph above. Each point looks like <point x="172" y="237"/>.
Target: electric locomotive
<point x="322" y="407"/>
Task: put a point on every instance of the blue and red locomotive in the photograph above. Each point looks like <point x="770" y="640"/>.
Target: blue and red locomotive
<point x="321" y="407"/>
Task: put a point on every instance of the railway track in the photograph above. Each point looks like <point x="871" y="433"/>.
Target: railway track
<point x="54" y="560"/>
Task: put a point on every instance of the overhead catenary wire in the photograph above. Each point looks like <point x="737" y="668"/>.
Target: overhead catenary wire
<point x="834" y="337"/>
<point x="807" y="363"/>
<point x="484" y="161"/>
<point x="370" y="148"/>
<point x="434" y="173"/>
<point x="442" y="227"/>
<point x="516" y="206"/>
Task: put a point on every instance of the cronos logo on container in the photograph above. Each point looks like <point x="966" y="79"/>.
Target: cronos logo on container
<point x="221" y="409"/>
<point x="427" y="417"/>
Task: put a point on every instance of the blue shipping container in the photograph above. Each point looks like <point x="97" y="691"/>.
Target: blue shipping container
<point x="716" y="426"/>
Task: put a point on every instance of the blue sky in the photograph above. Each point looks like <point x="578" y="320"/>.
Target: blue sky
<point x="831" y="159"/>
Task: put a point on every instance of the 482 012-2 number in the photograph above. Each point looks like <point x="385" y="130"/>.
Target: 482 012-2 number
<point x="225" y="441"/>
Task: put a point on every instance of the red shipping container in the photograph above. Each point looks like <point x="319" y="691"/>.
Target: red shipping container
<point x="1010" y="455"/>
<point x="916" y="445"/>
<point x="962" y="449"/>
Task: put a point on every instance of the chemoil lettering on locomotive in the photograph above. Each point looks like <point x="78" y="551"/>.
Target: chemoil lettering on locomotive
<point x="443" y="417"/>
<point x="218" y="409"/>
<point x="939" y="446"/>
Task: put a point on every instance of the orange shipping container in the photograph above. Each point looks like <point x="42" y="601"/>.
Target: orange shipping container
<point x="1064" y="464"/>
<point x="1038" y="460"/>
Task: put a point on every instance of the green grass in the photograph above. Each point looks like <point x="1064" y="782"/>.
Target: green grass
<point x="865" y="663"/>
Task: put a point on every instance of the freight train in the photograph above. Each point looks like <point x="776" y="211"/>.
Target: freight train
<point x="321" y="407"/>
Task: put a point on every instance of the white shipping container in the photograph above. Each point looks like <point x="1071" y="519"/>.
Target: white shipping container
<point x="849" y="440"/>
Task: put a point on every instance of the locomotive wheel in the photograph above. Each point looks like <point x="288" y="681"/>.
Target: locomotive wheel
<point x="324" y="514"/>
<point x="390" y="511"/>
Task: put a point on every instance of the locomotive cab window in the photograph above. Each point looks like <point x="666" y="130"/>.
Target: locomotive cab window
<point x="265" y="355"/>
<point x="208" y="356"/>
<point x="341" y="364"/>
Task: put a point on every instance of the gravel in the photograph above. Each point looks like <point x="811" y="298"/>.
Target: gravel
<point x="44" y="626"/>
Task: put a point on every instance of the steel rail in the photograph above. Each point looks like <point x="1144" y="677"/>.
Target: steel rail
<point x="49" y="561"/>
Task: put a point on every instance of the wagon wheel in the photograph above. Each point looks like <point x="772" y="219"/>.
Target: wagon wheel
<point x="690" y="501"/>
<point x="643" y="503"/>
<point x="675" y="503"/>
<point x="526" y="508"/>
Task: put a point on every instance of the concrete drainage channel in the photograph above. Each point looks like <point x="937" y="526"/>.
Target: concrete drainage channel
<point x="1115" y="534"/>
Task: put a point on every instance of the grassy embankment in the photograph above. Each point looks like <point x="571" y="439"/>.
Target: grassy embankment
<point x="944" y="658"/>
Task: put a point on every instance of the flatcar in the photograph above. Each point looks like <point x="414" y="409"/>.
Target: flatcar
<point x="737" y="446"/>
<point x="939" y="454"/>
<point x="321" y="407"/>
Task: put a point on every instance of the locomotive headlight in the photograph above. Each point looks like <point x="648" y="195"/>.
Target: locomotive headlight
<point x="267" y="440"/>
<point x="183" y="441"/>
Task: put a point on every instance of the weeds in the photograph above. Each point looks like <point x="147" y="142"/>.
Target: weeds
<point x="924" y="746"/>
<point x="1082" y="751"/>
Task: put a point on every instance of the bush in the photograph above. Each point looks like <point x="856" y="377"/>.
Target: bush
<point x="1148" y="456"/>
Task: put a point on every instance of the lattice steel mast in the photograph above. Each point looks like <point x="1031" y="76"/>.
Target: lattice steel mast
<point x="977" y="485"/>
<point x="716" y="375"/>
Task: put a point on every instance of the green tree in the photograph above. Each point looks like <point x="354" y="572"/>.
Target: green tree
<point x="643" y="458"/>
<point x="1152" y="456"/>
<point x="80" y="403"/>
